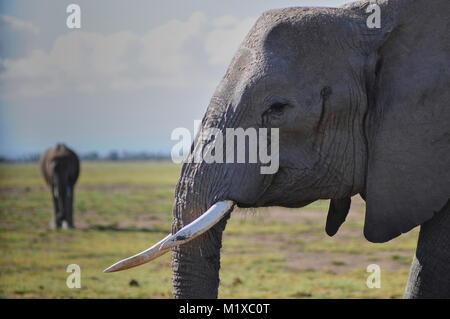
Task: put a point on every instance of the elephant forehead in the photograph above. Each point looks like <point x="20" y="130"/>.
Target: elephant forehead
<point x="246" y="66"/>
<point x="297" y="33"/>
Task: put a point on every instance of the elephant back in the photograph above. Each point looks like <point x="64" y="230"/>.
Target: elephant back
<point x="59" y="157"/>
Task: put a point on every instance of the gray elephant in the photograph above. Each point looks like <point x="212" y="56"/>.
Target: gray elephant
<point x="359" y="110"/>
<point x="60" y="168"/>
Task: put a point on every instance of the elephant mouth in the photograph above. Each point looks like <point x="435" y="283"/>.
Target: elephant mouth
<point x="199" y="226"/>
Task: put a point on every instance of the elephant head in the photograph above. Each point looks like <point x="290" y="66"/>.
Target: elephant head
<point x="60" y="167"/>
<point x="358" y="111"/>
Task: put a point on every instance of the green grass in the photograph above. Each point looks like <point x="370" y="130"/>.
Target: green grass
<point x="122" y="208"/>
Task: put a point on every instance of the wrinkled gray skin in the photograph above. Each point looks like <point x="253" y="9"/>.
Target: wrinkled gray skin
<point x="359" y="110"/>
<point x="60" y="168"/>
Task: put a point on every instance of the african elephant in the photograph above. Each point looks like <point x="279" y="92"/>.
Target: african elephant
<point x="359" y="110"/>
<point x="60" y="167"/>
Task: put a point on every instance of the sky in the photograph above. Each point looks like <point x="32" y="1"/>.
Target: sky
<point x="132" y="73"/>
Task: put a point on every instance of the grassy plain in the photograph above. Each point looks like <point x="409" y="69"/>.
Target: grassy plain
<point x="122" y="208"/>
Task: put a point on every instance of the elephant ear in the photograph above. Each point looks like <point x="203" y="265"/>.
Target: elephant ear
<point x="337" y="212"/>
<point x="408" y="123"/>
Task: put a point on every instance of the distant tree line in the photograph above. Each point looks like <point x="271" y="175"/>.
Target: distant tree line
<point x="95" y="156"/>
<point x="128" y="156"/>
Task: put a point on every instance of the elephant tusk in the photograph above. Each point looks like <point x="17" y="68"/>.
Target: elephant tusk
<point x="200" y="225"/>
<point x="139" y="259"/>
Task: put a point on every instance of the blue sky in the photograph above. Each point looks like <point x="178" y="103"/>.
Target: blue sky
<point x="135" y="70"/>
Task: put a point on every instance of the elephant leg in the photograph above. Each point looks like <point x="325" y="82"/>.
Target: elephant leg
<point x="430" y="270"/>
<point x="69" y="207"/>
<point x="57" y="211"/>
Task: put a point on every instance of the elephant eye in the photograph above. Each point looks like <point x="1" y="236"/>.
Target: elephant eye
<point x="274" y="113"/>
<point x="277" y="108"/>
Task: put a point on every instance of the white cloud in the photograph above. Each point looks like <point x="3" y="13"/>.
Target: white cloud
<point x="224" y="39"/>
<point x="17" y="24"/>
<point x="225" y="21"/>
<point x="173" y="55"/>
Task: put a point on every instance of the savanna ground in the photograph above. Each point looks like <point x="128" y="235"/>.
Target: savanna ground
<point x="123" y="208"/>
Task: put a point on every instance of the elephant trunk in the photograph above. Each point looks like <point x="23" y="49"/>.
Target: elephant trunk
<point x="59" y="190"/>
<point x="196" y="264"/>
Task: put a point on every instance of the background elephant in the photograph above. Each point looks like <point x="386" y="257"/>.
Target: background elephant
<point x="359" y="111"/>
<point x="60" y="167"/>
